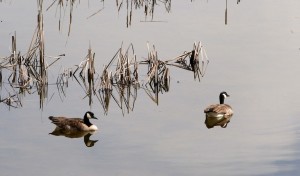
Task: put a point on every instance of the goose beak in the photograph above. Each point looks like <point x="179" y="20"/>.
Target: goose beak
<point x="94" y="117"/>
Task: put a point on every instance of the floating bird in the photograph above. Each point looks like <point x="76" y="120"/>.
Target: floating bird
<point x="218" y="114"/>
<point x="75" y="124"/>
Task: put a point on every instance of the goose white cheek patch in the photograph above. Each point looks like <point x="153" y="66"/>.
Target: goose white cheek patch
<point x="88" y="115"/>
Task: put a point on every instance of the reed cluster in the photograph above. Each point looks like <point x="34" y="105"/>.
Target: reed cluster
<point x="28" y="72"/>
<point x="121" y="75"/>
<point x="119" y="80"/>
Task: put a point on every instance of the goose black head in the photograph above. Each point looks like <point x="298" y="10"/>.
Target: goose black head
<point x="222" y="97"/>
<point x="90" y="115"/>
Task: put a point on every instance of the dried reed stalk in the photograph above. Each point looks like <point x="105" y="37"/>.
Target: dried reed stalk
<point x="87" y="74"/>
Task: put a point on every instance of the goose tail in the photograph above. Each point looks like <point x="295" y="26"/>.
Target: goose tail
<point x="54" y="120"/>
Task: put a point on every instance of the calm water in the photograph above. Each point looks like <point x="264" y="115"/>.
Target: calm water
<point x="255" y="58"/>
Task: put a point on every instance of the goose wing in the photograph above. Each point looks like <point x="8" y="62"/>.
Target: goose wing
<point x="66" y="123"/>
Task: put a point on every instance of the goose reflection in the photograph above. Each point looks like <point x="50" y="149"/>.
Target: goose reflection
<point x="222" y="122"/>
<point x="75" y="134"/>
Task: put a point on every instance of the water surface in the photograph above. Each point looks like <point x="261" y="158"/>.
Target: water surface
<point x="255" y="58"/>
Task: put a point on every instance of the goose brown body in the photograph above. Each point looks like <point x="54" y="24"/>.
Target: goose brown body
<point x="75" y="124"/>
<point x="218" y="110"/>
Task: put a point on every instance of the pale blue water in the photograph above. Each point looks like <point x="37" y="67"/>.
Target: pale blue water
<point x="255" y="58"/>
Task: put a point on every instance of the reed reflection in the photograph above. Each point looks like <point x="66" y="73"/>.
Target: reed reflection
<point x="226" y="11"/>
<point x="147" y="5"/>
<point x="226" y="14"/>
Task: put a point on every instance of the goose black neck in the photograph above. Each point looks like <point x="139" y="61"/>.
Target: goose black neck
<point x="221" y="97"/>
<point x="87" y="121"/>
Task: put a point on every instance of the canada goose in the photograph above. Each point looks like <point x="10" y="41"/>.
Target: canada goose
<point x="218" y="114"/>
<point x="75" y="124"/>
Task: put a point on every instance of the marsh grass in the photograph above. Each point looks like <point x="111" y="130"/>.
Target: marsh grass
<point x="120" y="78"/>
<point x="87" y="74"/>
<point x="28" y="72"/>
<point x="119" y="81"/>
<point x="123" y="79"/>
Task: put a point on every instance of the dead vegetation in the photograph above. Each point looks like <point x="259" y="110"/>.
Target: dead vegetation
<point x="119" y="80"/>
<point x="124" y="78"/>
<point x="26" y="73"/>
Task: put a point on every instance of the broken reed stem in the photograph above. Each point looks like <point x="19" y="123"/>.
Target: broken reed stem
<point x="13" y="59"/>
<point x="91" y="71"/>
<point x="42" y="84"/>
